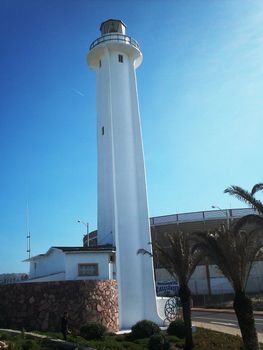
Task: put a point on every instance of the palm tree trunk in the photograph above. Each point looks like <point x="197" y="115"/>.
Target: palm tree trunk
<point x="185" y="296"/>
<point x="244" y="312"/>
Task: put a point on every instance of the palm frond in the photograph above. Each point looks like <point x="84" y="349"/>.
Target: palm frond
<point x="233" y="252"/>
<point x="256" y="188"/>
<point x="178" y="258"/>
<point x="251" y="219"/>
<point x="219" y="247"/>
<point x="239" y="193"/>
<point x="144" y="252"/>
<point x="245" y="196"/>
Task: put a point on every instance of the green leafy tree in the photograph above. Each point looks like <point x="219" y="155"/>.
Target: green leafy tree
<point x="180" y="261"/>
<point x="234" y="253"/>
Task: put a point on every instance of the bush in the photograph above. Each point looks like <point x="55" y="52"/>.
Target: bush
<point x="13" y="346"/>
<point x="30" y="345"/>
<point x="177" y="328"/>
<point x="158" y="342"/>
<point x="93" y="330"/>
<point x="4" y="336"/>
<point x="144" y="329"/>
<point x="48" y="344"/>
<point x="74" y="332"/>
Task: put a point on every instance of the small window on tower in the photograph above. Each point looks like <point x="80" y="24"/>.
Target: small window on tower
<point x="120" y="58"/>
<point x="102" y="130"/>
<point x="100" y="63"/>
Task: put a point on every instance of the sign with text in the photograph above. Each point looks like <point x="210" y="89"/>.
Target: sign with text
<point x="167" y="288"/>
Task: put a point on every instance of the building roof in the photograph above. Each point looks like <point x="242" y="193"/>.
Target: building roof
<point x="112" y="20"/>
<point x="108" y="248"/>
<point x="201" y="216"/>
<point x="98" y="248"/>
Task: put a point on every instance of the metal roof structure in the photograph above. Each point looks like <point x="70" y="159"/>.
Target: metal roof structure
<point x="71" y="250"/>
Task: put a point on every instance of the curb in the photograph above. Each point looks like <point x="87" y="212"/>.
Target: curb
<point x="222" y="311"/>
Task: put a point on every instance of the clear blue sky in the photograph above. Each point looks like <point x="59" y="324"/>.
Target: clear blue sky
<point x="200" y="92"/>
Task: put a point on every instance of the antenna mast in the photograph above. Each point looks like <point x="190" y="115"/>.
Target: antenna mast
<point x="28" y="237"/>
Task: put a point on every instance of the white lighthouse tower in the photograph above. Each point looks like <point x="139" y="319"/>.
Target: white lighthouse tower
<point x="122" y="199"/>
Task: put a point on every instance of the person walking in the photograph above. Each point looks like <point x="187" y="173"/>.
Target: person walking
<point x="64" y="325"/>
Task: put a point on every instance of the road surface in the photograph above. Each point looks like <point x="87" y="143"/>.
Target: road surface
<point x="223" y="319"/>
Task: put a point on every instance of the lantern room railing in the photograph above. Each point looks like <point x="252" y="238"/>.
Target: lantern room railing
<point x="115" y="37"/>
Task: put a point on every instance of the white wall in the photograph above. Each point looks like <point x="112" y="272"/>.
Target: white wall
<point x="219" y="284"/>
<point x="58" y="265"/>
<point x="105" y="156"/>
<point x="161" y="301"/>
<point x="122" y="199"/>
<point x="72" y="261"/>
<point x="47" y="264"/>
<point x="255" y="280"/>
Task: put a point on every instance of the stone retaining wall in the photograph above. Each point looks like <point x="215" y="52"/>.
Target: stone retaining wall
<point x="39" y="306"/>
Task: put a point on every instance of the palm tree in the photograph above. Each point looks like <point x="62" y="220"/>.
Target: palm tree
<point x="234" y="253"/>
<point x="246" y="196"/>
<point x="249" y="198"/>
<point x="180" y="262"/>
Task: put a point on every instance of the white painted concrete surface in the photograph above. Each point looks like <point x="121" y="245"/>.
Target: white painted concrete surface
<point x="122" y="200"/>
<point x="219" y="283"/>
<point x="57" y="265"/>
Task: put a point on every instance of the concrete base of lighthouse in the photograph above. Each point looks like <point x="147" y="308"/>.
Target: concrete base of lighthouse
<point x="137" y="301"/>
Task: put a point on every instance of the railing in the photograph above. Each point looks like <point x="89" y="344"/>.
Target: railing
<point x="115" y="37"/>
<point x="202" y="216"/>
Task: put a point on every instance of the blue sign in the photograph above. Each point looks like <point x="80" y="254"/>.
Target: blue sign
<point x="167" y="288"/>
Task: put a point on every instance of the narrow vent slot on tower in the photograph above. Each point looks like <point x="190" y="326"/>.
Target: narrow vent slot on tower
<point x="102" y="130"/>
<point x="99" y="63"/>
<point x="120" y="58"/>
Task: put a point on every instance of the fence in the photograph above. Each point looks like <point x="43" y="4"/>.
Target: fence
<point x="222" y="294"/>
<point x="225" y="214"/>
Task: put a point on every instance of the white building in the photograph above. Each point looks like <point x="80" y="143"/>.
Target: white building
<point x="73" y="263"/>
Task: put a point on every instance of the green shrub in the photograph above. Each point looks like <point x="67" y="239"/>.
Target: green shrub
<point x="13" y="346"/>
<point x="4" y="336"/>
<point x="111" y="334"/>
<point x="74" y="332"/>
<point x="48" y="344"/>
<point x="144" y="329"/>
<point x="158" y="342"/>
<point x="177" y="328"/>
<point x="29" y="345"/>
<point x="93" y="330"/>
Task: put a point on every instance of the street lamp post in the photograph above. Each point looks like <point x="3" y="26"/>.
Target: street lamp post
<point x="86" y="224"/>
<point x="227" y="213"/>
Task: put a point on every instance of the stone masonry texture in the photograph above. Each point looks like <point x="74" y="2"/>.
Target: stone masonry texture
<point x="40" y="306"/>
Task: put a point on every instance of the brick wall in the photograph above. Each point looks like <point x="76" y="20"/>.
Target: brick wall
<point x="39" y="306"/>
